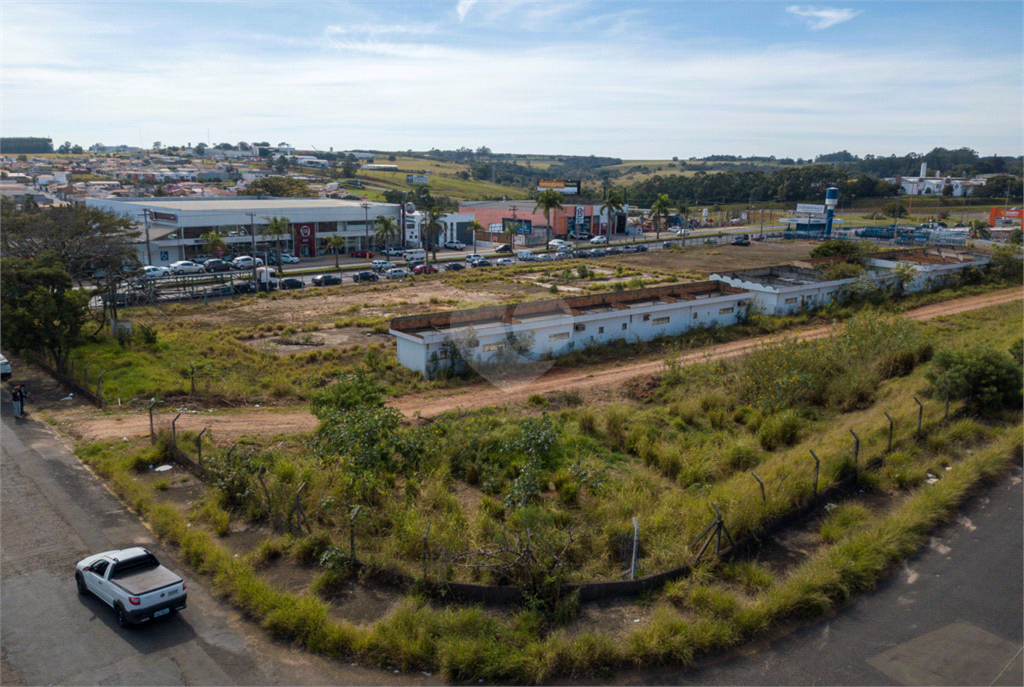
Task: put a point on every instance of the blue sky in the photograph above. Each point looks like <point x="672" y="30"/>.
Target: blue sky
<point x="633" y="80"/>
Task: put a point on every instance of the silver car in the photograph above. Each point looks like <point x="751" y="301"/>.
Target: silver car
<point x="186" y="267"/>
<point x="396" y="273"/>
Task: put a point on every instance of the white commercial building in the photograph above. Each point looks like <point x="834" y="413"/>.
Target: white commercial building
<point x="549" y="328"/>
<point x="454" y="227"/>
<point x="933" y="267"/>
<point x="786" y="289"/>
<point x="177" y="225"/>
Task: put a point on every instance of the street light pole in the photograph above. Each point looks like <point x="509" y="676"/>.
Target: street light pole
<point x="149" y="248"/>
<point x="366" y="225"/>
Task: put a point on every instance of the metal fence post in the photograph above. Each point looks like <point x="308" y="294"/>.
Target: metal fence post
<point x="856" y="451"/>
<point x="85" y="376"/>
<point x="152" y="433"/>
<point x="199" y="445"/>
<point x="99" y="387"/>
<point x="761" y="484"/>
<point x="920" y="414"/>
<point x="174" y="431"/>
<point x="636" y="542"/>
<point x="889" y="449"/>
<point x="817" y="464"/>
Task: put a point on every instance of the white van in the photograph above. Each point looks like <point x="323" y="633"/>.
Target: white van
<point x="526" y="256"/>
<point x="415" y="254"/>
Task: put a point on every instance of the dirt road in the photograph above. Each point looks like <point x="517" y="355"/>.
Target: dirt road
<point x="230" y="426"/>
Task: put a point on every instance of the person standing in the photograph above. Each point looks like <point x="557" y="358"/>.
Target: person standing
<point x="18" y="396"/>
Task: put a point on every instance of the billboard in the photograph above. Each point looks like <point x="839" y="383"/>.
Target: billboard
<point x="495" y="228"/>
<point x="518" y="226"/>
<point x="813" y="209"/>
<point x="416" y="179"/>
<point x="560" y="185"/>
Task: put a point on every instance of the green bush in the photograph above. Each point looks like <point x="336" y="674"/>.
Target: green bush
<point x="843" y="519"/>
<point x="778" y="430"/>
<point x="744" y="457"/>
<point x="988" y="380"/>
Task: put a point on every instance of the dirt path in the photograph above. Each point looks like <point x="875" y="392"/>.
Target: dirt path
<point x="230" y="426"/>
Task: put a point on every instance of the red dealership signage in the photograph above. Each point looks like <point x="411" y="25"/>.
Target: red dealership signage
<point x="305" y="235"/>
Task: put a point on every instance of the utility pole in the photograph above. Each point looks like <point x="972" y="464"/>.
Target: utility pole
<point x="252" y="233"/>
<point x="149" y="248"/>
<point x="366" y="225"/>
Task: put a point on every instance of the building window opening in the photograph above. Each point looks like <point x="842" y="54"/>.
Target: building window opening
<point x="561" y="336"/>
<point x="660" y="320"/>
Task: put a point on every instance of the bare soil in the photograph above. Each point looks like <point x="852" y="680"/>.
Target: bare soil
<point x="597" y="379"/>
<point x="706" y="260"/>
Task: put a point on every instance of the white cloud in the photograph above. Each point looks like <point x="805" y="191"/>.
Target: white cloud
<point x="819" y="18"/>
<point x="463" y="8"/>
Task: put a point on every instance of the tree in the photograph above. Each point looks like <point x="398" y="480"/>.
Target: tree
<point x="1016" y="237"/>
<point x="546" y="202"/>
<point x="659" y="210"/>
<point x="980" y="230"/>
<point x="76" y="150"/>
<point x="65" y="148"/>
<point x="432" y="230"/>
<point x="987" y="379"/>
<point x="348" y="167"/>
<point x="200" y="149"/>
<point x="41" y="311"/>
<point x="612" y="206"/>
<point x="157" y="146"/>
<point x="83" y="239"/>
<point x="277" y="227"/>
<point x="335" y="243"/>
<point x="213" y="241"/>
<point x="474" y="227"/>
<point x="280" y="187"/>
<point x="386" y="230"/>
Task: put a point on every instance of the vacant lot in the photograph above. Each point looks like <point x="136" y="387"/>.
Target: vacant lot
<point x="705" y="260"/>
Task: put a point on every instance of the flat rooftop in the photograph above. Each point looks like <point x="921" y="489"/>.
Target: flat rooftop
<point x="778" y="275"/>
<point x="244" y="202"/>
<point x="573" y="306"/>
<point x="927" y="256"/>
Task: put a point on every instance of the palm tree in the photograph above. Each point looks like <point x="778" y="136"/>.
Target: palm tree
<point x="432" y="230"/>
<point x="214" y="242"/>
<point x="474" y="227"/>
<point x="276" y="226"/>
<point x="659" y="210"/>
<point x="612" y="205"/>
<point x="980" y="230"/>
<point x="334" y="242"/>
<point x="683" y="209"/>
<point x="546" y="202"/>
<point x="387" y="231"/>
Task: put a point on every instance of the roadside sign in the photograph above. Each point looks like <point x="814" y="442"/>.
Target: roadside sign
<point x="164" y="256"/>
<point x="805" y="207"/>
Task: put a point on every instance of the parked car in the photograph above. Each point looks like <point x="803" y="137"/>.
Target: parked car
<point x="364" y="276"/>
<point x="454" y="245"/>
<point x="361" y="254"/>
<point x="326" y="280"/>
<point x="396" y="273"/>
<point x="292" y="283"/>
<point x="424" y="269"/>
<point x="545" y="257"/>
<point x="393" y="251"/>
<point x="503" y="248"/>
<point x="245" y="287"/>
<point x="217" y="265"/>
<point x="741" y="241"/>
<point x="641" y="248"/>
<point x="5" y="368"/>
<point x="480" y="263"/>
<point x="613" y="250"/>
<point x="628" y="249"/>
<point x="599" y="241"/>
<point x="185" y="267"/>
<point x="154" y="272"/>
<point x="244" y="262"/>
<point x="413" y="264"/>
<point x="596" y="253"/>
<point x="473" y="257"/>
<point x="454" y="267"/>
<point x="289" y="259"/>
<point x="504" y="262"/>
<point x="133" y="583"/>
<point x="581" y="235"/>
<point x="382" y="265"/>
<point x="556" y="243"/>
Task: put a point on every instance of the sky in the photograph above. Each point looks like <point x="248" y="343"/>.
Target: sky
<point x="632" y="80"/>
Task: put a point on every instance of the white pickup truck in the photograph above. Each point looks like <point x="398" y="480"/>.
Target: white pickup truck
<point x="133" y="583"/>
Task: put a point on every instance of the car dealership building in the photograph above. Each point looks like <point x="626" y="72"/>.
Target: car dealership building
<point x="176" y="225"/>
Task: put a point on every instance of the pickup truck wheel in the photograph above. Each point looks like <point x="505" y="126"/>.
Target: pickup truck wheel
<point x="82" y="589"/>
<point x="122" y="617"/>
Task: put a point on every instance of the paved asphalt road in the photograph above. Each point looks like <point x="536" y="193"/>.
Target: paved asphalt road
<point x="952" y="615"/>
<point x="55" y="512"/>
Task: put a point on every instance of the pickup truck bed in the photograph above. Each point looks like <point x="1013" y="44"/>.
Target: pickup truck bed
<point x="138" y="582"/>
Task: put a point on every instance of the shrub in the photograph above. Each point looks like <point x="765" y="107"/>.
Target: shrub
<point x="779" y="430"/>
<point x="587" y="422"/>
<point x="537" y="400"/>
<point x="843" y="519"/>
<point x="615" y="427"/>
<point x="985" y="378"/>
<point x="744" y="457"/>
<point x="309" y="549"/>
